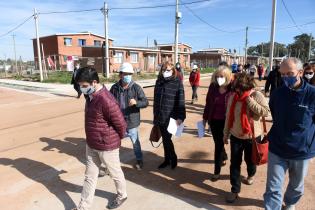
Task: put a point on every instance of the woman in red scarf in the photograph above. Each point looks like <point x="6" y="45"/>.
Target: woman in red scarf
<point x="245" y="105"/>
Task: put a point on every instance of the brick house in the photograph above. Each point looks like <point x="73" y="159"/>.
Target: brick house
<point x="142" y="58"/>
<point x="59" y="46"/>
<point x="213" y="56"/>
<point x="87" y="49"/>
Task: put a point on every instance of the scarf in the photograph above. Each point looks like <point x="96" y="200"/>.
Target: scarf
<point x="244" y="119"/>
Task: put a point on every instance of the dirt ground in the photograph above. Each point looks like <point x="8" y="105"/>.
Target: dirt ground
<point x="42" y="155"/>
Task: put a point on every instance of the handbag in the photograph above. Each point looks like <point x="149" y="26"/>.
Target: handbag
<point x="260" y="148"/>
<point x="155" y="135"/>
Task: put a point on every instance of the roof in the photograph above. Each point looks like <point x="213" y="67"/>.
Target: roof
<point x="166" y="45"/>
<point x="74" y="34"/>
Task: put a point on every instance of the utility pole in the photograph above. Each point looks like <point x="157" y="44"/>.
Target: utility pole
<point x="44" y="62"/>
<point x="16" y="68"/>
<point x="272" y="33"/>
<point x="147" y="41"/>
<point x="246" y="43"/>
<point x="262" y="49"/>
<point x="310" y="47"/>
<point x="105" y="12"/>
<point x="39" y="57"/>
<point x="178" y="15"/>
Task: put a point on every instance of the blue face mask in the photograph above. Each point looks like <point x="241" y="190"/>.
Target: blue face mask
<point x="88" y="90"/>
<point x="289" y="81"/>
<point x="127" y="79"/>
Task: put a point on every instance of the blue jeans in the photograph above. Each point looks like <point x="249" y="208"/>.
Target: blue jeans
<point x="277" y="168"/>
<point x="133" y="134"/>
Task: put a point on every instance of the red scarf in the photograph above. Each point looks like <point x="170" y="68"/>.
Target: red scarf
<point x="244" y="119"/>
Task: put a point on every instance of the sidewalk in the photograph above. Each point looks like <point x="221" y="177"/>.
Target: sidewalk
<point x="64" y="89"/>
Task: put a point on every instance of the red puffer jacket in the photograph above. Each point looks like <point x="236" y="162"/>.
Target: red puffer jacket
<point x="194" y="78"/>
<point x="105" y="125"/>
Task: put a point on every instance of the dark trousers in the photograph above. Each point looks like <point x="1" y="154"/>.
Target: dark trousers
<point x="169" y="150"/>
<point x="194" y="92"/>
<point x="76" y="86"/>
<point x="238" y="146"/>
<point x="220" y="155"/>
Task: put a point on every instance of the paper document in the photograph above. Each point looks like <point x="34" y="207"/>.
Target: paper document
<point x="174" y="129"/>
<point x="201" y="129"/>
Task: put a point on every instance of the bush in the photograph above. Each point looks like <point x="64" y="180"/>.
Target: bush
<point x="207" y="70"/>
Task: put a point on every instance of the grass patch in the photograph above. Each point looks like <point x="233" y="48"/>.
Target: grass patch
<point x="207" y="70"/>
<point x="62" y="77"/>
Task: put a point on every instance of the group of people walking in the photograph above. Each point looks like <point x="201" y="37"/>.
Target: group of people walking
<point x="233" y="110"/>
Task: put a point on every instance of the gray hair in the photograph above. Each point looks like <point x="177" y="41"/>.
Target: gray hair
<point x="296" y="61"/>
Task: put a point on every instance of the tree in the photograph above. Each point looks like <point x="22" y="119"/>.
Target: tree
<point x="263" y="49"/>
<point x="300" y="47"/>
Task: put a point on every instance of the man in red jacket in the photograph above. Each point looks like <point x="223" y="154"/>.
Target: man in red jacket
<point x="194" y="79"/>
<point x="105" y="126"/>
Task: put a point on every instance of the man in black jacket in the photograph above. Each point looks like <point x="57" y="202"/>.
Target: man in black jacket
<point x="274" y="80"/>
<point x="131" y="99"/>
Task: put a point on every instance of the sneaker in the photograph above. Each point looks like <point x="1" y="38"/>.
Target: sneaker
<point x="249" y="180"/>
<point x="139" y="165"/>
<point x="215" y="177"/>
<point x="231" y="197"/>
<point x="288" y="207"/>
<point x="116" y="203"/>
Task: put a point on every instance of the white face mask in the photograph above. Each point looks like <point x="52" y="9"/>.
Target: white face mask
<point x="167" y="74"/>
<point x="88" y="90"/>
<point x="221" y="81"/>
<point x="309" y="76"/>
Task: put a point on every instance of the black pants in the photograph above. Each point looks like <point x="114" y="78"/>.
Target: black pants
<point x="220" y="155"/>
<point x="76" y="86"/>
<point x="194" y="92"/>
<point x="238" y="146"/>
<point x="169" y="150"/>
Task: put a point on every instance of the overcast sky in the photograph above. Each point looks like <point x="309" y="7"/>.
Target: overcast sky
<point x="132" y="27"/>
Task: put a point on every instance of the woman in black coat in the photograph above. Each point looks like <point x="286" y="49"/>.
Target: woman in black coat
<point x="169" y="102"/>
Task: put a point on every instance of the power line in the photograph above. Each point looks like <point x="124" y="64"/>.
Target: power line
<point x="210" y="25"/>
<point x="69" y="11"/>
<point x="159" y="6"/>
<point x="16" y="27"/>
<point x="286" y="8"/>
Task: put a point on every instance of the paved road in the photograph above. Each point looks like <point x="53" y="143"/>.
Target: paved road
<point x="42" y="161"/>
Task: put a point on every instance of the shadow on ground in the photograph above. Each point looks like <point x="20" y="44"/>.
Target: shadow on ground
<point x="50" y="178"/>
<point x="182" y="183"/>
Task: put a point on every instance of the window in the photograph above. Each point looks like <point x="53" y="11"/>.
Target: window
<point x="185" y="50"/>
<point x="118" y="57"/>
<point x="82" y="42"/>
<point x="67" y="41"/>
<point x="134" y="57"/>
<point x="151" y="59"/>
<point x="97" y="43"/>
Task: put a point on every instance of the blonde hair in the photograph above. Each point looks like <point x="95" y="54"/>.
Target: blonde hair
<point x="227" y="73"/>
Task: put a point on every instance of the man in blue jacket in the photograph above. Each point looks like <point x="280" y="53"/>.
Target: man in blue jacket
<point x="291" y="137"/>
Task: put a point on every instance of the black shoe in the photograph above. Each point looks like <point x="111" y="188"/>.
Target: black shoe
<point x="164" y="164"/>
<point x="139" y="165"/>
<point x="116" y="203"/>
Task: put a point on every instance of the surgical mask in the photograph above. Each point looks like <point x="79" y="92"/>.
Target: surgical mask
<point x="88" y="90"/>
<point x="289" y="81"/>
<point x="178" y="66"/>
<point x="309" y="76"/>
<point x="167" y="74"/>
<point x="221" y="80"/>
<point x="127" y="79"/>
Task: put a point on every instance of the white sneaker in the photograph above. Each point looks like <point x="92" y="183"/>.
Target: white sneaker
<point x="289" y="207"/>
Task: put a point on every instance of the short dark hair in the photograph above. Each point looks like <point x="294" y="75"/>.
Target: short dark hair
<point x="223" y="63"/>
<point x="243" y="82"/>
<point x="87" y="74"/>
